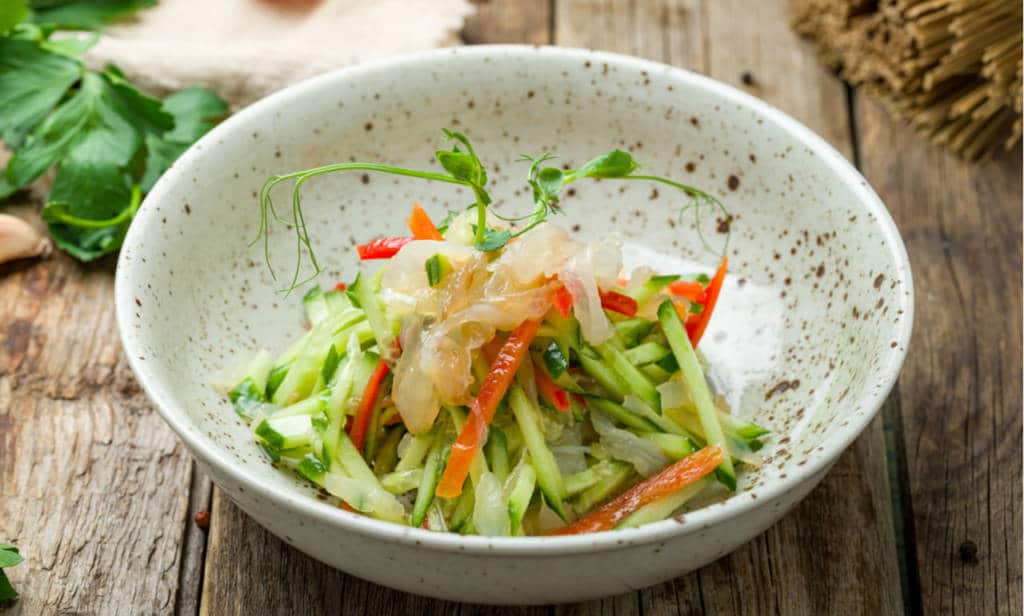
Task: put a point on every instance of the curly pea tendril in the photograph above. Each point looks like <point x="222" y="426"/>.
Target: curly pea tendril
<point x="463" y="168"/>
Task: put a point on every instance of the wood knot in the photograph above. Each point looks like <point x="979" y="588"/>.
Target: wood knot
<point x="968" y="552"/>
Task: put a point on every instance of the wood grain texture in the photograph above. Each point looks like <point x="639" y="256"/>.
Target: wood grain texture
<point x="242" y="557"/>
<point x="960" y="392"/>
<point x="509" y="21"/>
<point x="839" y="542"/>
<point x="193" y="549"/>
<point x="94" y="485"/>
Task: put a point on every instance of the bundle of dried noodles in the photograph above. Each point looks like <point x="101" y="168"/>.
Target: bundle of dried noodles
<point x="952" y="68"/>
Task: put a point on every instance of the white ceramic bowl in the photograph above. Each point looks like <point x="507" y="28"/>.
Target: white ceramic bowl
<point x="808" y="338"/>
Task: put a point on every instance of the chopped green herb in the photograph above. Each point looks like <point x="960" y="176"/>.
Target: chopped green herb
<point x="330" y="364"/>
<point x="437" y="266"/>
<point x="312" y="468"/>
<point x="247" y="398"/>
<point x="555" y="360"/>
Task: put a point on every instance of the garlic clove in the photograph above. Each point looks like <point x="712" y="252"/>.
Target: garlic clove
<point x="20" y="240"/>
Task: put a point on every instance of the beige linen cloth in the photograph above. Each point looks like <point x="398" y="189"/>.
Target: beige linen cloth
<point x="245" y="49"/>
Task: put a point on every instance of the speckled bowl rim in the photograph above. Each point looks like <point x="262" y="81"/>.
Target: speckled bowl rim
<point x="298" y="504"/>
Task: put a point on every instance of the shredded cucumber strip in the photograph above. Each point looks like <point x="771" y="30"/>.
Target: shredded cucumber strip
<point x="697" y="386"/>
<point x="297" y="407"/>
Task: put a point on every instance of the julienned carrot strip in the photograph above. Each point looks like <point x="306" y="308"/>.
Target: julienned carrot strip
<point x="361" y="423"/>
<point x="617" y="302"/>
<point x="481" y="411"/>
<point x="689" y="289"/>
<point x="561" y="299"/>
<point x="695" y="329"/>
<point x="671" y="479"/>
<point x="421" y="226"/>
<point x="555" y="395"/>
<point x="382" y="247"/>
<point x="341" y="286"/>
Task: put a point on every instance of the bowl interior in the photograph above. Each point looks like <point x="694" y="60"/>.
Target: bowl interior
<point x="812" y="323"/>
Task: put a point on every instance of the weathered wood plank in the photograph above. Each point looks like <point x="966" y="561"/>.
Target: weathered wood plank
<point x="960" y="393"/>
<point x="94" y="488"/>
<point x="242" y="556"/>
<point x="840" y="541"/>
<point x="193" y="550"/>
<point x="509" y="21"/>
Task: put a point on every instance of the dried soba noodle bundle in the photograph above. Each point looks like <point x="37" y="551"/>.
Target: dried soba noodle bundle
<point x="952" y="68"/>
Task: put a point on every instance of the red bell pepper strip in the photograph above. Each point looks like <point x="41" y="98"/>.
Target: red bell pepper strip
<point x="382" y="247"/>
<point x="421" y="226"/>
<point x="671" y="479"/>
<point x="553" y="394"/>
<point x="695" y="327"/>
<point x="361" y="423"/>
<point x="481" y="411"/>
<point x="341" y="286"/>
<point x="561" y="299"/>
<point x="689" y="289"/>
<point x="617" y="302"/>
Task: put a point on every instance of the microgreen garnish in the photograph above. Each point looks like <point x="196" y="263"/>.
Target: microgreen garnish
<point x="548" y="182"/>
<point x="493" y="238"/>
<point x="443" y="226"/>
<point x="462" y="167"/>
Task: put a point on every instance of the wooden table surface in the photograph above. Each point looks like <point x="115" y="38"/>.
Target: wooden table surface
<point x="922" y="515"/>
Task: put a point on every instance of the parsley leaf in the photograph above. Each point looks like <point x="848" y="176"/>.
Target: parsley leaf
<point x="12" y="13"/>
<point x="83" y="14"/>
<point x="107" y="141"/>
<point x="101" y="124"/>
<point x="93" y="137"/>
<point x="195" y="111"/>
<point x="32" y="81"/>
<point x="90" y="208"/>
<point x="9" y="557"/>
<point x="72" y="46"/>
